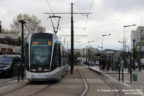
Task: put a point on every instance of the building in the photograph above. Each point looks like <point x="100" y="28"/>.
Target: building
<point x="9" y="49"/>
<point x="9" y="43"/>
<point x="85" y="51"/>
<point x="137" y="38"/>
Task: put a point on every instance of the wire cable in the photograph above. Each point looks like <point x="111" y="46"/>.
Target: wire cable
<point x="49" y="6"/>
<point x="53" y="21"/>
<point x="91" y="5"/>
<point x="87" y="15"/>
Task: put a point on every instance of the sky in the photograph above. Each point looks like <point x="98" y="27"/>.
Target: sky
<point x="108" y="17"/>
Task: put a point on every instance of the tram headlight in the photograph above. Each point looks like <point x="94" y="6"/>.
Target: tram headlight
<point x="46" y="70"/>
<point x="33" y="70"/>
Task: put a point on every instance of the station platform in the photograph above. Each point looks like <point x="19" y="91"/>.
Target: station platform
<point x="136" y="85"/>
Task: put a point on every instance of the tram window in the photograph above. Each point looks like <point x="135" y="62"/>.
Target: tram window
<point x="56" y="57"/>
<point x="41" y="53"/>
<point x="59" y="49"/>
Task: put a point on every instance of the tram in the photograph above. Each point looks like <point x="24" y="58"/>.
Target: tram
<point x="45" y="57"/>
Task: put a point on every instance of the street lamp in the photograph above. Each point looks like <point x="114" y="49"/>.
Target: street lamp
<point x="121" y="65"/>
<point x="87" y="50"/>
<point x="0" y="26"/>
<point x="102" y="39"/>
<point x="124" y="48"/>
<point x="90" y="41"/>
<point x="124" y="44"/>
<point x="129" y="25"/>
<point x="100" y="47"/>
<point x="130" y="66"/>
<point x="22" y="49"/>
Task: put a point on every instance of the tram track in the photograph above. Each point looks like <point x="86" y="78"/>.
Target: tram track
<point x="115" y="85"/>
<point x="86" y="84"/>
<point x="28" y="89"/>
<point x="116" y="91"/>
<point x="40" y="90"/>
<point x="6" y="82"/>
<point x="99" y="81"/>
<point x="13" y="90"/>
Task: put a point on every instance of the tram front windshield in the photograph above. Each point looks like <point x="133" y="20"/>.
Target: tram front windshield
<point x="40" y="51"/>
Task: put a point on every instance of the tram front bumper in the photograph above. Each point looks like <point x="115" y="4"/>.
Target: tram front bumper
<point x="53" y="75"/>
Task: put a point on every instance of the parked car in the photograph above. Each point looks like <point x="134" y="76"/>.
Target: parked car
<point x="97" y="62"/>
<point x="9" y="64"/>
<point x="92" y="63"/>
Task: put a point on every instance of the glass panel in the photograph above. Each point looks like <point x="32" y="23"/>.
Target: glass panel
<point x="41" y="53"/>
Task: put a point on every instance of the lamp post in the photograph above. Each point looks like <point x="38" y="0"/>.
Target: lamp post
<point x="124" y="44"/>
<point x="102" y="39"/>
<point x="124" y="37"/>
<point x="130" y="64"/>
<point x="87" y="51"/>
<point x="89" y="54"/>
<point x="22" y="49"/>
<point x="121" y="65"/>
<point x="99" y="47"/>
<point x="0" y="26"/>
<point x="124" y="48"/>
<point x="134" y="55"/>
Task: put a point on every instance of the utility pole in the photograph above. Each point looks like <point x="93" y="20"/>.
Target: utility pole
<point x="72" y="35"/>
<point x="141" y="43"/>
<point x="124" y="49"/>
<point x="102" y="40"/>
<point x="134" y="55"/>
<point x="140" y="49"/>
<point x="0" y="27"/>
<point x="22" y="50"/>
<point x="72" y="39"/>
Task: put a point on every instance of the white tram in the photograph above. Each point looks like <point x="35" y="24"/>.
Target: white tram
<point x="45" y="57"/>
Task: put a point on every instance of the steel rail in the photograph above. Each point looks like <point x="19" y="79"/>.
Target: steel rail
<point x="13" y="90"/>
<point x="86" y="84"/>
<point x="7" y="81"/>
<point x="40" y="90"/>
<point x="116" y="91"/>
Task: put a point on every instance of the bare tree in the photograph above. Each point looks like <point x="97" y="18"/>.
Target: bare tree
<point x="32" y="24"/>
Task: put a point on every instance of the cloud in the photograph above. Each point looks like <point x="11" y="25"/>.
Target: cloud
<point x="108" y="16"/>
<point x="124" y="5"/>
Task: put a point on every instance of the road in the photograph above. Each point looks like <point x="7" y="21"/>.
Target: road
<point x="7" y="80"/>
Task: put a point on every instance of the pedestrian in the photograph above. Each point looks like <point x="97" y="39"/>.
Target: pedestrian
<point x="108" y="65"/>
<point x="103" y="64"/>
<point x="100" y="63"/>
